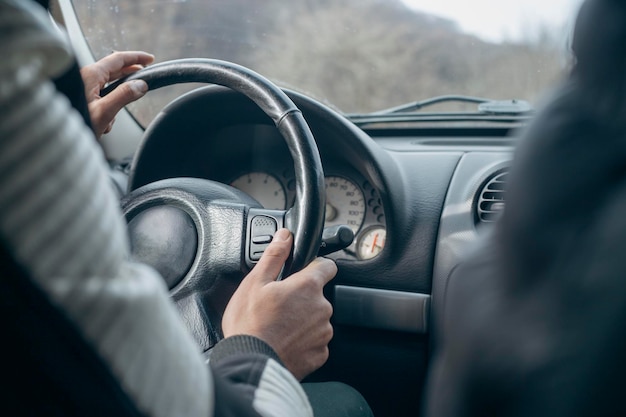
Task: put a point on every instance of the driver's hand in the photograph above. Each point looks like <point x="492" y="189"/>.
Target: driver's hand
<point x="291" y="315"/>
<point x="110" y="68"/>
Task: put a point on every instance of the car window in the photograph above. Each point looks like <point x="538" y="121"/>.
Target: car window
<point x="356" y="55"/>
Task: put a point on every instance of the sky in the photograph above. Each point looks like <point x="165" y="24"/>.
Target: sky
<point x="501" y="20"/>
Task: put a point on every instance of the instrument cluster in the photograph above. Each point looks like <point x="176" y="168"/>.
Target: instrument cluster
<point x="349" y="201"/>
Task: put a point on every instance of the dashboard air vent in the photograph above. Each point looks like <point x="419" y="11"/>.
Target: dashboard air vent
<point x="491" y="198"/>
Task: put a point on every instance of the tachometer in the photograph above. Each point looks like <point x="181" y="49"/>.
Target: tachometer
<point x="264" y="188"/>
<point x="345" y="203"/>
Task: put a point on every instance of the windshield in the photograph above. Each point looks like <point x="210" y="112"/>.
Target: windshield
<point x="357" y="55"/>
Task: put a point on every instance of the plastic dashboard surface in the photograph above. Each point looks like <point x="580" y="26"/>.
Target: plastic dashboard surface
<point x="421" y="192"/>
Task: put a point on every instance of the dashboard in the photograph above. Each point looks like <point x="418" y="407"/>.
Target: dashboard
<point x="251" y="156"/>
<point x="416" y="198"/>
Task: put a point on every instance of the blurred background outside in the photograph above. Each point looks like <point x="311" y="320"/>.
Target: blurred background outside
<point x="355" y="55"/>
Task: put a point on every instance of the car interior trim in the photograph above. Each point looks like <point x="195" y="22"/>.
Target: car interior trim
<point x="382" y="309"/>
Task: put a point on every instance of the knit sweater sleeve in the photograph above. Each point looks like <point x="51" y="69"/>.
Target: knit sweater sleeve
<point x="62" y="222"/>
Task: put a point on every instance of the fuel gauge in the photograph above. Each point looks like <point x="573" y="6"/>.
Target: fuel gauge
<point x="371" y="242"/>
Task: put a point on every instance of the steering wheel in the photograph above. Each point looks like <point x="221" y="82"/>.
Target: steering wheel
<point x="204" y="236"/>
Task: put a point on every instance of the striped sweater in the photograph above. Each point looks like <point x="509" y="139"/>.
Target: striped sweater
<point x="61" y="220"/>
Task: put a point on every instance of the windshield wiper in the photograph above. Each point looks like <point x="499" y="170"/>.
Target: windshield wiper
<point x="485" y="105"/>
<point x="488" y="110"/>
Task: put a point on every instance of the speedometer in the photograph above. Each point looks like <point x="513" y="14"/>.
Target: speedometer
<point x="345" y="203"/>
<point x="264" y="188"/>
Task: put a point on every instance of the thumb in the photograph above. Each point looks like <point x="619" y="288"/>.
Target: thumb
<point x="124" y="94"/>
<point x="274" y="257"/>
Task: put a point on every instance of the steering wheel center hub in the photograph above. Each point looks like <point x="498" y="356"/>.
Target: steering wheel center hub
<point x="164" y="237"/>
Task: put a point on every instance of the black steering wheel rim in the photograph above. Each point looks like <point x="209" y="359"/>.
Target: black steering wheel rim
<point x="216" y="242"/>
<point x="306" y="218"/>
